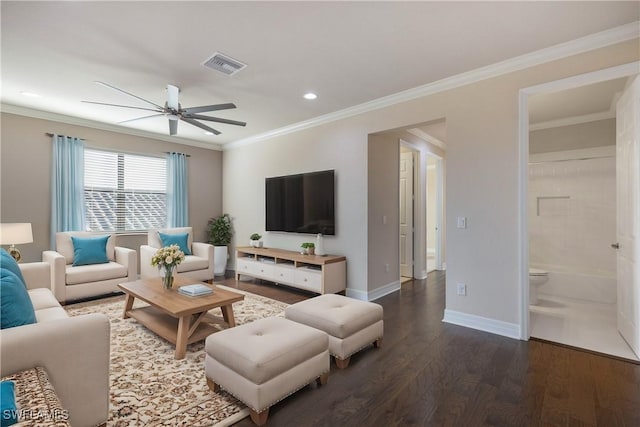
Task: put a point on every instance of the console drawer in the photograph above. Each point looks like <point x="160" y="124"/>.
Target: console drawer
<point x="283" y="274"/>
<point x="309" y="280"/>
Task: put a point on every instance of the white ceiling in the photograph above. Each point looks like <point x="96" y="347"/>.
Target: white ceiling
<point x="348" y="53"/>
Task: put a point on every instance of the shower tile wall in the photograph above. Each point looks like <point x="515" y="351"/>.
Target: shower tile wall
<point x="572" y="220"/>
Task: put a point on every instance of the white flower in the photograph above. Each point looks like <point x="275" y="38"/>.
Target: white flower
<point x="168" y="260"/>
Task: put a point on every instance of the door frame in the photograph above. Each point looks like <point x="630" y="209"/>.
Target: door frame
<point x="611" y="73"/>
<point x="439" y="207"/>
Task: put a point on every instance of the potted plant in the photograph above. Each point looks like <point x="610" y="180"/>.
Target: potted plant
<point x="254" y="240"/>
<point x="308" y="248"/>
<point x="220" y="232"/>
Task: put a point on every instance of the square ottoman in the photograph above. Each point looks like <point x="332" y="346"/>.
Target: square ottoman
<point x="351" y="324"/>
<point x="262" y="362"/>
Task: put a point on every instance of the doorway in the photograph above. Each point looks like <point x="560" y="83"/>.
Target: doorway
<point x="576" y="297"/>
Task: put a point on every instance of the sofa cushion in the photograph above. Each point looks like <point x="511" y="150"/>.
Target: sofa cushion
<point x="64" y="245"/>
<point x="42" y="298"/>
<point x="89" y="250"/>
<point x="94" y="273"/>
<point x="15" y="305"/>
<point x="51" y="313"/>
<point x="8" y="408"/>
<point x="153" y="237"/>
<point x="192" y="263"/>
<point x="7" y="261"/>
<point x="181" y="240"/>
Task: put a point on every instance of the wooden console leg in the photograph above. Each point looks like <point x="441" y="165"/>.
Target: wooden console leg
<point x="213" y="386"/>
<point x="377" y="343"/>
<point x="343" y="363"/>
<point x="323" y="379"/>
<point x="259" y="419"/>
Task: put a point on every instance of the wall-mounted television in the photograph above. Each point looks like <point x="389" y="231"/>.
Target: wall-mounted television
<point x="302" y="203"/>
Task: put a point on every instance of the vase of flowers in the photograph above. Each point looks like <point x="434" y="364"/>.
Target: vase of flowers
<point x="167" y="260"/>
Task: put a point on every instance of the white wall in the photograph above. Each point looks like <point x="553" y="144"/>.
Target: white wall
<point x="481" y="181"/>
<point x="573" y="234"/>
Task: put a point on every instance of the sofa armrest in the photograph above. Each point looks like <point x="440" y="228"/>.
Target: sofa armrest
<point x="36" y="274"/>
<point x="146" y="269"/>
<point x="75" y="353"/>
<point x="58" y="265"/>
<point x="204" y="250"/>
<point x="128" y="258"/>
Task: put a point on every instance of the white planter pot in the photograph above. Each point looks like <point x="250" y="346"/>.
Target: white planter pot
<point x="220" y="257"/>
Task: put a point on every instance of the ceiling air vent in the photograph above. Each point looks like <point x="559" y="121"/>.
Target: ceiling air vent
<point x="224" y="64"/>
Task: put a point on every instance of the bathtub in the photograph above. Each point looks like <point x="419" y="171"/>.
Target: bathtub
<point x="596" y="287"/>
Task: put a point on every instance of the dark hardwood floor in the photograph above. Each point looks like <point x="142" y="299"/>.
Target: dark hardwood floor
<point x="430" y="373"/>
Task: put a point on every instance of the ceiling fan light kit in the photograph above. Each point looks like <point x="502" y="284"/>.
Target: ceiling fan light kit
<point x="174" y="112"/>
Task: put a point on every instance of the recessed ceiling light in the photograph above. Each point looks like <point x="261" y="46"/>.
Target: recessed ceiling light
<point x="208" y="133"/>
<point x="31" y="94"/>
<point x="310" y="95"/>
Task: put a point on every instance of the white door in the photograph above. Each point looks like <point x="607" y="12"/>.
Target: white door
<point x="406" y="214"/>
<point x="628" y="212"/>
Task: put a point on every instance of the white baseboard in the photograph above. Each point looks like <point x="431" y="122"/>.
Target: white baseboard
<point x="375" y="294"/>
<point x="498" y="327"/>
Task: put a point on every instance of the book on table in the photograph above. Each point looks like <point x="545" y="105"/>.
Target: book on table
<point x="194" y="290"/>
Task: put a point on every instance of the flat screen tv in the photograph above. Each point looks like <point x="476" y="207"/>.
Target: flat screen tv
<point x="302" y="203"/>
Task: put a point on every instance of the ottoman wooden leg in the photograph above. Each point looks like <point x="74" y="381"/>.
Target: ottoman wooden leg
<point x="213" y="386"/>
<point x="377" y="343"/>
<point x="259" y="418"/>
<point x="343" y="363"/>
<point x="323" y="379"/>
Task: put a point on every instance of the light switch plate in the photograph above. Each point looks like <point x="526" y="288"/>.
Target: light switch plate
<point x="462" y="222"/>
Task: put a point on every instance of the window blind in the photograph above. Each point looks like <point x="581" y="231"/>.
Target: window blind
<point x="124" y="192"/>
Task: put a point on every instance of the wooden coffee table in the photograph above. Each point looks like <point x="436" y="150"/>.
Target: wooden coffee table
<point x="178" y="318"/>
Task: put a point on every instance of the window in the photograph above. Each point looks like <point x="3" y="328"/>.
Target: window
<point x="124" y="192"/>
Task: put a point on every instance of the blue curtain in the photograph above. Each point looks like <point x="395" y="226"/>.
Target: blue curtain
<point x="67" y="185"/>
<point x="177" y="191"/>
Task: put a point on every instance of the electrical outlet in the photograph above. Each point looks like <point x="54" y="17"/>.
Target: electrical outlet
<point x="462" y="289"/>
<point x="462" y="222"/>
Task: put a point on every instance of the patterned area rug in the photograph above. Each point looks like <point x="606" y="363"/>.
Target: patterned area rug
<point x="149" y="387"/>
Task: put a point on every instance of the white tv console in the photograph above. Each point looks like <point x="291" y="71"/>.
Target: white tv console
<point x="320" y="274"/>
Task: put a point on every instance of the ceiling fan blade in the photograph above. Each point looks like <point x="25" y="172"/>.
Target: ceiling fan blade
<point x="124" y="106"/>
<point x="216" y="119"/>
<point x="172" y="97"/>
<point x="173" y="127"/>
<point x="141" y="118"/>
<point x="130" y="94"/>
<point x="205" y="108"/>
<point x="200" y="125"/>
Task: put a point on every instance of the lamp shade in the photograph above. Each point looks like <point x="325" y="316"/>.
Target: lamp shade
<point x="15" y="233"/>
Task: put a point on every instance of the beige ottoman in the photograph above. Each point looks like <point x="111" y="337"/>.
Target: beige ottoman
<point x="264" y="361"/>
<point x="351" y="324"/>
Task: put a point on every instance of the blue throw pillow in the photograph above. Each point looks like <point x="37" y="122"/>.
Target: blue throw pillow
<point x="16" y="308"/>
<point x="9" y="414"/>
<point x="7" y="261"/>
<point x="90" y="250"/>
<point x="181" y="240"/>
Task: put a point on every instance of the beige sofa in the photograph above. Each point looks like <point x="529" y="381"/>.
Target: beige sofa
<point x="71" y="282"/>
<point x="74" y="351"/>
<point x="198" y="266"/>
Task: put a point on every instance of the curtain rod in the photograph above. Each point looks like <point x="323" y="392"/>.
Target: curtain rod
<point x="52" y="134"/>
<point x="166" y="152"/>
<point x="175" y="152"/>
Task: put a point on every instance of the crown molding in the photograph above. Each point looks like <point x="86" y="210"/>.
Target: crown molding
<point x="583" y="44"/>
<point x="426" y="137"/>
<point x="78" y="121"/>
<point x="575" y="120"/>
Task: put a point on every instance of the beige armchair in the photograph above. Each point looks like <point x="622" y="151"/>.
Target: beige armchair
<point x="70" y="282"/>
<point x="73" y="350"/>
<point x="198" y="266"/>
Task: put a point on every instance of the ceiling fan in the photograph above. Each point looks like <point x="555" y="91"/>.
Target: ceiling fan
<point x="174" y="111"/>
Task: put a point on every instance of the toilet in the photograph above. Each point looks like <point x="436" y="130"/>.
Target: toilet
<point x="537" y="277"/>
